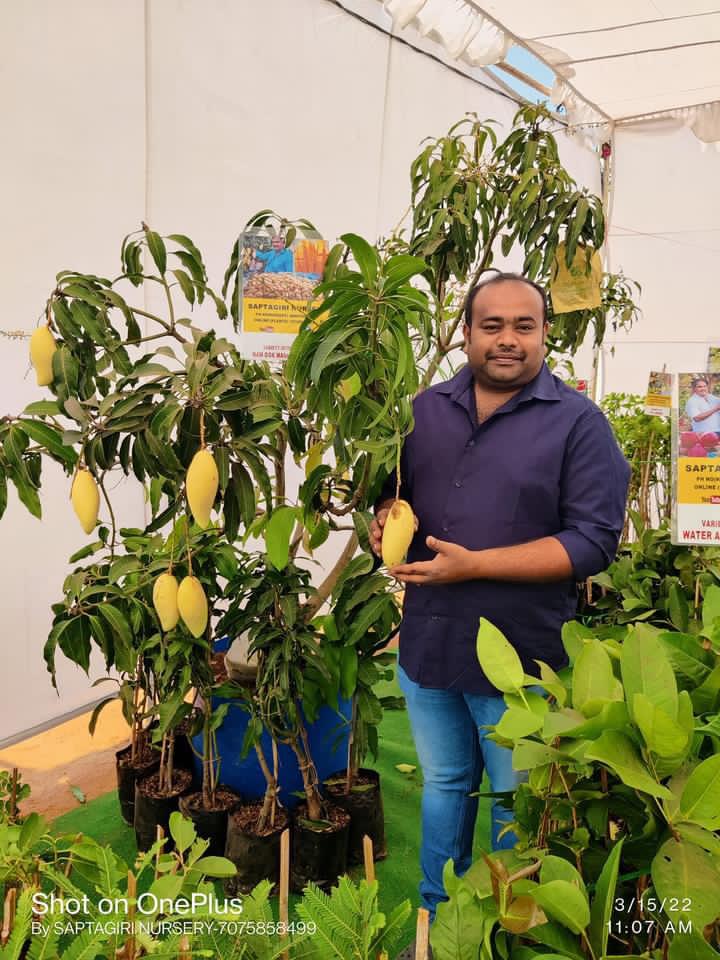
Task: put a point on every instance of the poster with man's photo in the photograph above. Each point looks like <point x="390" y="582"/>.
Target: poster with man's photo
<point x="278" y="274"/>
<point x="696" y="455"/>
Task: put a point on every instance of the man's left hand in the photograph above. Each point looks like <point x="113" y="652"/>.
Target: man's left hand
<point x="452" y="564"/>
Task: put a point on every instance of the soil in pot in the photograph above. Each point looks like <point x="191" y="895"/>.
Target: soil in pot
<point x="256" y="855"/>
<point x="365" y="806"/>
<point x="211" y="824"/>
<point x="129" y="773"/>
<point x="319" y="848"/>
<point x="153" y="808"/>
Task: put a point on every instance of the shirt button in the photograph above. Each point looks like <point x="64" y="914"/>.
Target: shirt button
<point x="458" y="483"/>
<point x="445" y="529"/>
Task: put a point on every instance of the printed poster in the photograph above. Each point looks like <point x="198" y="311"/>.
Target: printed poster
<point x="713" y="361"/>
<point x="696" y="456"/>
<point x="658" y="400"/>
<point x="577" y="287"/>
<point x="277" y="280"/>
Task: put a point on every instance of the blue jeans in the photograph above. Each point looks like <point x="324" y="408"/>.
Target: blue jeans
<point x="453" y="751"/>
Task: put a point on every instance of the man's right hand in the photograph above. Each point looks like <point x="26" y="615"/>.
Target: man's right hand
<point x="376" y="529"/>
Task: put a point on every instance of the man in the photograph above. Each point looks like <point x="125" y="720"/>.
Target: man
<point x="519" y="488"/>
<point x="277" y="260"/>
<point x="703" y="408"/>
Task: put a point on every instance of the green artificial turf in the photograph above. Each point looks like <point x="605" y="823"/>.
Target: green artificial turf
<point x="398" y="875"/>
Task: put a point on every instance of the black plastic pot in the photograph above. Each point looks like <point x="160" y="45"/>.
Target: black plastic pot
<point x="365" y="806"/>
<point x="256" y="857"/>
<point x="153" y="811"/>
<point x="211" y="824"/>
<point x="127" y="777"/>
<point x="318" y="854"/>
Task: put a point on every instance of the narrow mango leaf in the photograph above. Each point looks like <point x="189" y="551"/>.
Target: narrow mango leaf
<point x="602" y="905"/>
<point x="157" y="249"/>
<point x="552" y="682"/>
<point x="498" y="659"/>
<point x="277" y="535"/>
<point x="365" y="256"/>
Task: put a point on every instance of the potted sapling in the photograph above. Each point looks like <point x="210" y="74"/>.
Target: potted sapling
<point x="364" y="618"/>
<point x="292" y="680"/>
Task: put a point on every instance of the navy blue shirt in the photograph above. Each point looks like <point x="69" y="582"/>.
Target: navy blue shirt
<point x="545" y="463"/>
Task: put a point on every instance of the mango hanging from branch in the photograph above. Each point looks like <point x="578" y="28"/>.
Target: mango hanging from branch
<point x="42" y="348"/>
<point x="192" y="605"/>
<point x="398" y="532"/>
<point x="85" y="498"/>
<point x="165" y="601"/>
<point x="201" y="485"/>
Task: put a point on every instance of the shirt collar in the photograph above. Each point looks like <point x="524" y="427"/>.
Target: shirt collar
<point x="542" y="387"/>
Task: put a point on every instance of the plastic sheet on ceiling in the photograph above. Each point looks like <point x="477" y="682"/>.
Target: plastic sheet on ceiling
<point x="621" y="60"/>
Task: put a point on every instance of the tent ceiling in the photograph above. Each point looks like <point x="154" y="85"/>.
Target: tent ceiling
<point x="620" y="60"/>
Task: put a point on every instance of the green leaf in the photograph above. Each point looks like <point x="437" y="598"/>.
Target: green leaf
<point x="3" y="492"/>
<point x="117" y="622"/>
<point x="186" y="284"/>
<point x="498" y="659"/>
<point x="710" y="607"/>
<point x="699" y="801"/>
<point x="277" y="535"/>
<point x="646" y="669"/>
<point x="50" y="438"/>
<point x="348" y="671"/>
<point x="602" y="905"/>
<point x="182" y="831"/>
<point x="618" y="752"/>
<point x="326" y="347"/>
<point x="593" y="683"/>
<point x="690" y="946"/>
<point x="574" y="635"/>
<point x="565" y="903"/>
<point x="215" y="867"/>
<point x="365" y="256"/>
<point x="517" y="722"/>
<point x="678" y="607"/>
<point x="664" y="736"/>
<point x="555" y="868"/>
<point x="157" y="249"/>
<point x="683" y="871"/>
<point x="94" y="716"/>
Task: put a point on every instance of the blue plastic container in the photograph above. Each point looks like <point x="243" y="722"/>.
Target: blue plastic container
<point x="330" y="730"/>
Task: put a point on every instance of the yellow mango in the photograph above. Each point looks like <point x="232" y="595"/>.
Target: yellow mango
<point x="201" y="486"/>
<point x="85" y="498"/>
<point x="192" y="605"/>
<point x="42" y="348"/>
<point x="398" y="532"/>
<point x="165" y="600"/>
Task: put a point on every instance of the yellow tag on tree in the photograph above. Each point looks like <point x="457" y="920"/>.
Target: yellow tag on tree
<point x="576" y="288"/>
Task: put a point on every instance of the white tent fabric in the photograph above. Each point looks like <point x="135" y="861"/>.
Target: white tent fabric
<point x="617" y="62"/>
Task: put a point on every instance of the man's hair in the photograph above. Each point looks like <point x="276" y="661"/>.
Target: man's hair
<point x="501" y="277"/>
<point x="696" y="380"/>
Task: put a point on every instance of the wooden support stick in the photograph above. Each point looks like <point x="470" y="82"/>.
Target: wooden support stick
<point x="159" y="835"/>
<point x="131" y="895"/>
<point x="184" y="949"/>
<point x="8" y="915"/>
<point x="13" y="794"/>
<point x="369" y="858"/>
<point x="284" y="886"/>
<point x="422" y="934"/>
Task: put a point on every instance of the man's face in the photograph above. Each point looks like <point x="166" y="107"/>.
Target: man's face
<point x="701" y="388"/>
<point x="278" y="243"/>
<point x="505" y="344"/>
